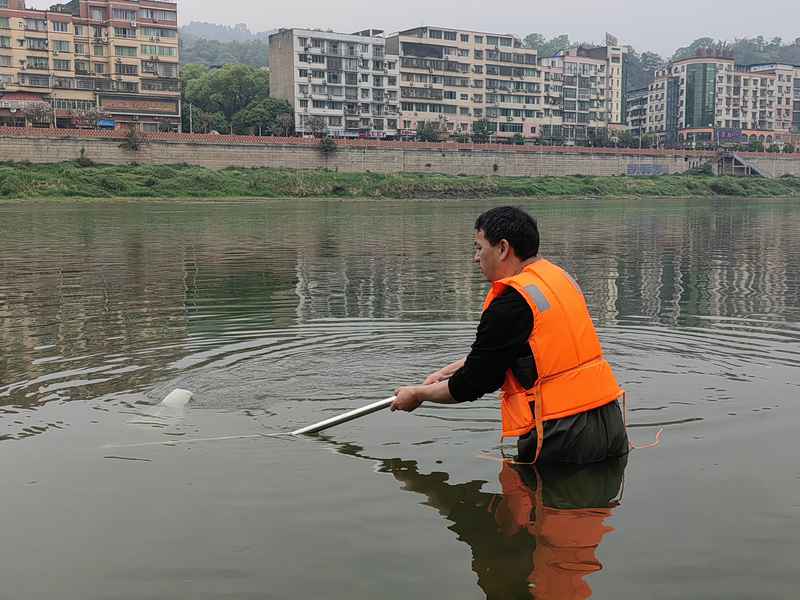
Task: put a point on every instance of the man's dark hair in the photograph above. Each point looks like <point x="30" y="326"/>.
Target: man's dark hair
<point x="515" y="226"/>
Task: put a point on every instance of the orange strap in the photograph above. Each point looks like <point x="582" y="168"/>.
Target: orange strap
<point x="537" y="417"/>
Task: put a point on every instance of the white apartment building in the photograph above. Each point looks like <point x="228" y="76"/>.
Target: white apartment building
<point x="345" y="81"/>
<point x="709" y="98"/>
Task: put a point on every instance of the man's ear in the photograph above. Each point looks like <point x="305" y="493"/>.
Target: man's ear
<point x="505" y="249"/>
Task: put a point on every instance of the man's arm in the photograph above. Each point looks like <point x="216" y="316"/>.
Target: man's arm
<point x="410" y="397"/>
<point x="444" y="373"/>
<point x="501" y="339"/>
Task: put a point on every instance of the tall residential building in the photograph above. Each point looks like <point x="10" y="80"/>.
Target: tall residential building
<point x="116" y="59"/>
<point x="346" y="84"/>
<point x="636" y="111"/>
<point x="577" y="95"/>
<point x="710" y="98"/>
<point x="455" y="77"/>
<point x="613" y="57"/>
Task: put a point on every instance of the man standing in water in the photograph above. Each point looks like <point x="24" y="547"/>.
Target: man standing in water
<point x="537" y="342"/>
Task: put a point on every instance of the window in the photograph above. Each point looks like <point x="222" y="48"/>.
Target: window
<point x="99" y="51"/>
<point x="5" y="41"/>
<point x="123" y="69"/>
<point x="302" y="73"/>
<point x="450" y="35"/>
<point x="61" y="46"/>
<point x="160" y="69"/>
<point x="99" y="68"/>
<point x="465" y="38"/>
<point x="60" y="26"/>
<point x="159" y="50"/>
<point x="121" y="14"/>
<point x="36" y="43"/>
<point x="82" y="67"/>
<point x="35" y="25"/>
<point x="492" y="40"/>
<point x="124" y="32"/>
<point x="157" y="32"/>
<point x="4" y="21"/>
<point x="158" y="15"/>
<point x="79" y="30"/>
<point x="38" y="63"/>
<point x="126" y="51"/>
<point x="478" y="39"/>
<point x="97" y="14"/>
<point x="81" y="105"/>
<point x="64" y="83"/>
<point x="5" y="61"/>
<point x="435" y="34"/>
<point x="62" y="65"/>
<point x="3" y="3"/>
<point x="335" y="121"/>
<point x="82" y="49"/>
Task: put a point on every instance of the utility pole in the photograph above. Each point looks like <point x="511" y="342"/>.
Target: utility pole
<point x="191" y="124"/>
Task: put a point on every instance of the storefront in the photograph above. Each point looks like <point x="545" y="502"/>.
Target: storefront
<point x="23" y="109"/>
<point x="148" y="114"/>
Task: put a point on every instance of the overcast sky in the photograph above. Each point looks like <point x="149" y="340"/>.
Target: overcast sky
<point x="661" y="25"/>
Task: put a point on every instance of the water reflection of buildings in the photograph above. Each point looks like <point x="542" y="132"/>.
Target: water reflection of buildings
<point x="539" y="538"/>
<point x="82" y="287"/>
<point x="670" y="263"/>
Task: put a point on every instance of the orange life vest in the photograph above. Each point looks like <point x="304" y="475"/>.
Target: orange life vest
<point x="573" y="376"/>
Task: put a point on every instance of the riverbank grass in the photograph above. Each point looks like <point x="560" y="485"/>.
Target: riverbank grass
<point x="71" y="179"/>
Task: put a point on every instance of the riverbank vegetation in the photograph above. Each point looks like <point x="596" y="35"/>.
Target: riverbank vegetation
<point x="71" y="179"/>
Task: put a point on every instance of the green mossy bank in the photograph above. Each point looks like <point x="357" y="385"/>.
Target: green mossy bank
<point x="70" y="180"/>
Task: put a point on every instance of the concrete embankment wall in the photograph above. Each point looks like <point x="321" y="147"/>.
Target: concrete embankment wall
<point x="216" y="152"/>
<point x="774" y="165"/>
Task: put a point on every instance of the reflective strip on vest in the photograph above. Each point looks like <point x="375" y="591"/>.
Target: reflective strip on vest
<point x="538" y="297"/>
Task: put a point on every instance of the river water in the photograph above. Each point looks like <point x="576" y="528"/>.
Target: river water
<point x="282" y="313"/>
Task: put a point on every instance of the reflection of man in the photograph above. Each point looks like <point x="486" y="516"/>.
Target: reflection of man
<point x="565" y="510"/>
<point x="536" y="340"/>
<point x="539" y="538"/>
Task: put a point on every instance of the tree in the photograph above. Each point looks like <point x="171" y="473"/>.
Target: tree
<point x="534" y="40"/>
<point x="482" y="130"/>
<point x="228" y="89"/>
<point x="284" y="124"/>
<point x="545" y="47"/>
<point x="428" y="131"/>
<point x="39" y="113"/>
<point x="692" y="49"/>
<point x="316" y="125"/>
<point x="260" y="116"/>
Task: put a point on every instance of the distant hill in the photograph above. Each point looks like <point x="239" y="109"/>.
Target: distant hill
<point x="222" y="33"/>
<point x="211" y="44"/>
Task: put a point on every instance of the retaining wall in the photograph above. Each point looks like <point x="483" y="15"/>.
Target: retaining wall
<point x="218" y="151"/>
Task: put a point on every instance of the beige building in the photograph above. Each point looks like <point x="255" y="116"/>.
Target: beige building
<point x="706" y="99"/>
<point x="456" y="77"/>
<point x="345" y="83"/>
<point x="112" y="62"/>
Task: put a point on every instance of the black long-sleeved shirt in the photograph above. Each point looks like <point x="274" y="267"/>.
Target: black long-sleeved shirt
<point x="500" y="344"/>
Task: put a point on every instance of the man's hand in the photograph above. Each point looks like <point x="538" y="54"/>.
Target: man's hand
<point x="409" y="398"/>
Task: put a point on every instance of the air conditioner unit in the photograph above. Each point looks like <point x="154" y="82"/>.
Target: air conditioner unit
<point x="132" y="23"/>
